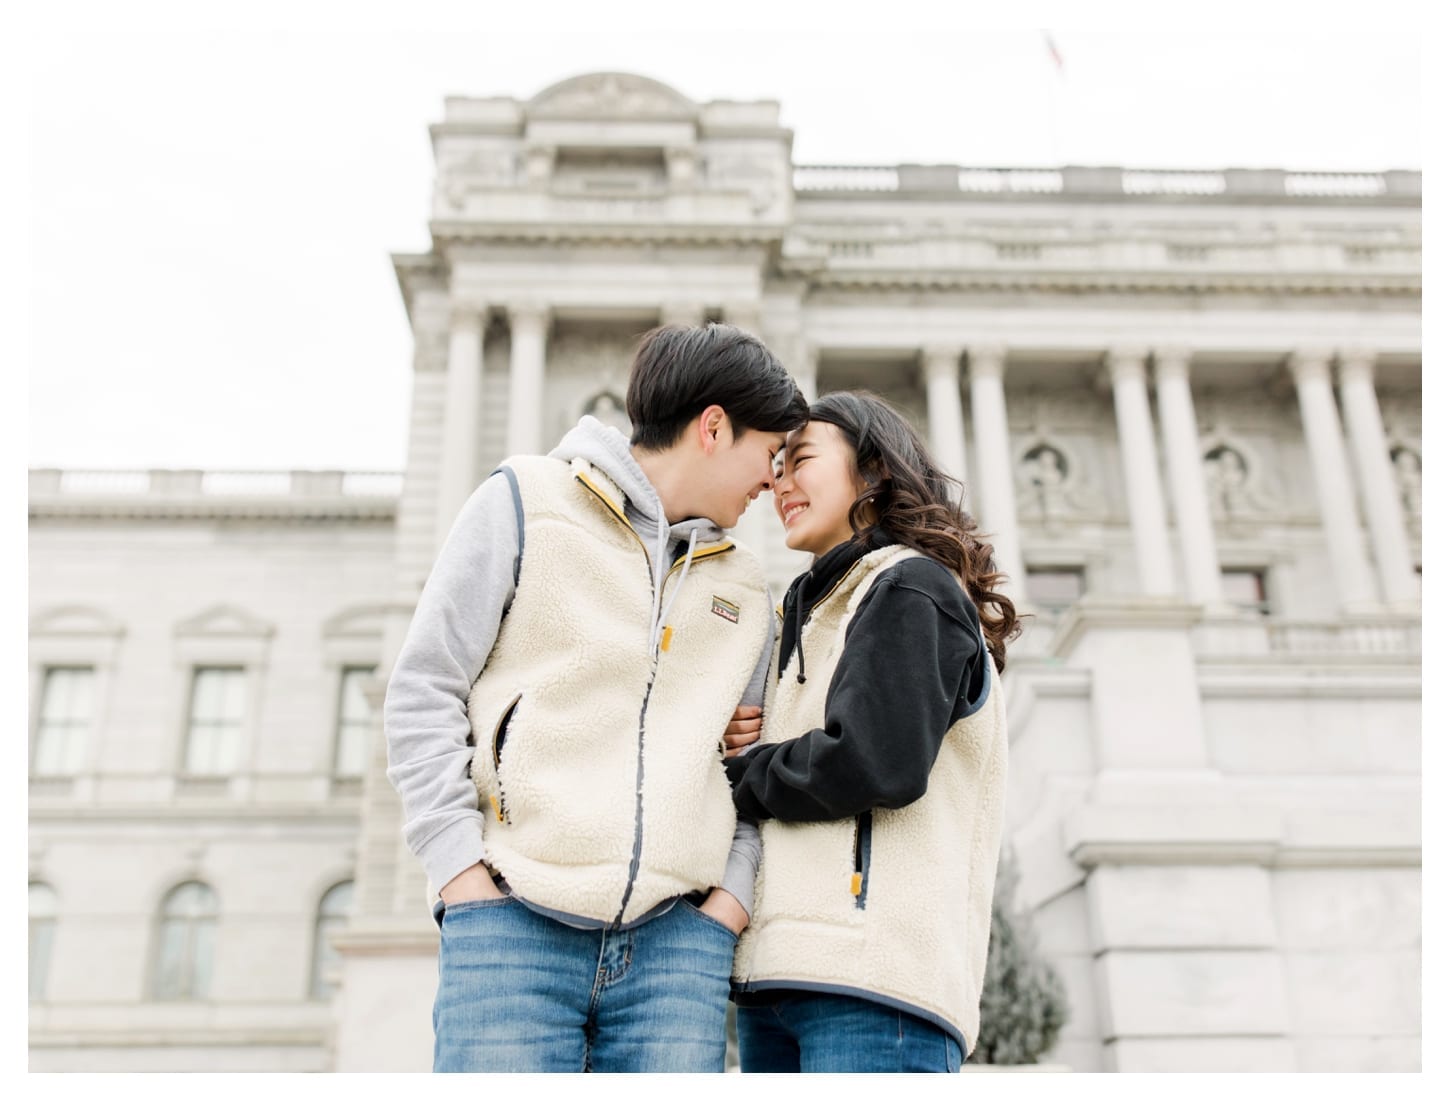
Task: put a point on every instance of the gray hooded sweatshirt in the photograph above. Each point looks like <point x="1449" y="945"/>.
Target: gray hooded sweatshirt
<point x="425" y="715"/>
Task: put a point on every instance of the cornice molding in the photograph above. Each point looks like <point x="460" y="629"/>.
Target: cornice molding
<point x="337" y="812"/>
<point x="450" y="235"/>
<point x="1105" y="281"/>
<point x="281" y="510"/>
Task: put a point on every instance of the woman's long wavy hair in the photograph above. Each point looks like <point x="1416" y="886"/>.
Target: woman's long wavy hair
<point x="918" y="504"/>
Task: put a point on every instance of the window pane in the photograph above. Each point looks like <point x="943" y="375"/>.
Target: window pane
<point x="68" y="693"/>
<point x="338" y="901"/>
<point x="1055" y="588"/>
<point x="190" y="900"/>
<point x="218" y="701"/>
<point x="42" y="936"/>
<point x="203" y="939"/>
<point x="185" y="938"/>
<point x="171" y="960"/>
<point x="64" y="723"/>
<point x="353" y="722"/>
<point x="354" y="703"/>
<point x="331" y="915"/>
<point x="1245" y="589"/>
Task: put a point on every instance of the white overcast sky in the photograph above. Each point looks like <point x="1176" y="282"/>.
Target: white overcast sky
<point x="211" y="212"/>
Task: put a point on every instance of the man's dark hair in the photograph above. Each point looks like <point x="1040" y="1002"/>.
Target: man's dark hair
<point x="680" y="370"/>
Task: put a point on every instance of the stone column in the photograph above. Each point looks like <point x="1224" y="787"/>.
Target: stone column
<point x="1140" y="470"/>
<point x="528" y="328"/>
<point x="1355" y="588"/>
<point x="1185" y="475"/>
<point x="1377" y="479"/>
<point x="808" y="369"/>
<point x="994" y="495"/>
<point x="942" y="370"/>
<point x="456" y="475"/>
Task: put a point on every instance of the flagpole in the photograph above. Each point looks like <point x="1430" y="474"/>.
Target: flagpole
<point x="1054" y="99"/>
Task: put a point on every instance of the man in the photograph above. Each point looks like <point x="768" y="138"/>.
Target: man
<point x="554" y="724"/>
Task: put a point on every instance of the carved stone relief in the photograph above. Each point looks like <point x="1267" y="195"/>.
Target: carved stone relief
<point x="1052" y="484"/>
<point x="1407" y="464"/>
<point x="611" y="95"/>
<point x="588" y="366"/>
<point x="756" y="174"/>
<point x="1234" y="476"/>
<point x="608" y="408"/>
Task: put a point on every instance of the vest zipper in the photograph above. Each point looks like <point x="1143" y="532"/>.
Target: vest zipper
<point x="862" y="858"/>
<point x="708" y="552"/>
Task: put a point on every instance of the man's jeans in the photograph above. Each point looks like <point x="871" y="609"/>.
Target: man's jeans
<point x="518" y="991"/>
<point x="819" y="1033"/>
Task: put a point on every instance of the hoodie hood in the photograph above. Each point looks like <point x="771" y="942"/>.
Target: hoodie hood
<point x="607" y="448"/>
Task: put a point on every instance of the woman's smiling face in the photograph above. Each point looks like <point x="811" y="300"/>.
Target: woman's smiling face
<point x="815" y="486"/>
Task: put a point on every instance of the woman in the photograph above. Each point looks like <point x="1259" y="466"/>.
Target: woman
<point x="879" y="777"/>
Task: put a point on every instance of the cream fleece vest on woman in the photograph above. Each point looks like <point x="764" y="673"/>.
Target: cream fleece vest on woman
<point x="598" y="760"/>
<point x="894" y="906"/>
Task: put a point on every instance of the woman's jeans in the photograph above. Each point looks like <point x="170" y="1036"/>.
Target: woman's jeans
<point x="833" y="1032"/>
<point x="518" y="991"/>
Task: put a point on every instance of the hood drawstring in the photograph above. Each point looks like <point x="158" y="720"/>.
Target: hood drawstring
<point x="680" y="584"/>
<point x="800" y="650"/>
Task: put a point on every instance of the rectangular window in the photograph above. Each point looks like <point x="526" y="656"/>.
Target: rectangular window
<point x="65" y="721"/>
<point x="1055" y="588"/>
<point x="353" y="722"/>
<point x="214" y="730"/>
<point x="1246" y="589"/>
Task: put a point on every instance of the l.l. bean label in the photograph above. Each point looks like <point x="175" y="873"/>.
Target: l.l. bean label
<point x="724" y="609"/>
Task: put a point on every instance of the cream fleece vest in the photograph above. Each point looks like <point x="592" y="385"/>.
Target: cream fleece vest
<point x="894" y="906"/>
<point x="598" y="760"/>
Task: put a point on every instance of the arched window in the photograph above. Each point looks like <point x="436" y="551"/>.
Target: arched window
<point x="42" y="936"/>
<point x="332" y="914"/>
<point x="186" y="937"/>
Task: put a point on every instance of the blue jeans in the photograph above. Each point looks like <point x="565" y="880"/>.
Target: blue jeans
<point x="518" y="991"/>
<point x="819" y="1033"/>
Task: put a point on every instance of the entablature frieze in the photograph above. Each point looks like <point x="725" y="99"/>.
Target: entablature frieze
<point x="1105" y="282"/>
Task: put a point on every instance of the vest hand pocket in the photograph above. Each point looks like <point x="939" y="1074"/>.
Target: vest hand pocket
<point x="500" y="734"/>
<point x="861" y="873"/>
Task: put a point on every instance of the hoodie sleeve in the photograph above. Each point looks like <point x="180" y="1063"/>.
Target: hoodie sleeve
<point x="912" y="664"/>
<point x="744" y="860"/>
<point x="425" y="716"/>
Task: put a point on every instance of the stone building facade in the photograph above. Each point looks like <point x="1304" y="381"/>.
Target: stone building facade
<point x="1187" y="409"/>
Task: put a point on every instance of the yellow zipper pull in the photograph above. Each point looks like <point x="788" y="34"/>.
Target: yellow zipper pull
<point x="856" y="884"/>
<point x="665" y="638"/>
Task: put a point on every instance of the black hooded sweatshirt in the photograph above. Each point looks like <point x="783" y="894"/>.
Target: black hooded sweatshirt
<point x="913" y="659"/>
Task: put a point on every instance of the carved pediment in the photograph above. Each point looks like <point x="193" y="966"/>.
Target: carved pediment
<point x="613" y="96"/>
<point x="225" y="621"/>
<point x="75" y="620"/>
<point x="363" y="622"/>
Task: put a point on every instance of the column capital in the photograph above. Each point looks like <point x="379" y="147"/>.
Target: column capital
<point x="1172" y="361"/>
<point x="942" y="360"/>
<point x="1356" y="364"/>
<point x="1128" y="361"/>
<point x="465" y="314"/>
<point x="1306" y="364"/>
<point x="987" y="360"/>
<point x="528" y="312"/>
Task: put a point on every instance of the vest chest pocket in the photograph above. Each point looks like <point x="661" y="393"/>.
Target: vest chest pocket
<point x="500" y="733"/>
<point x="861" y="875"/>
